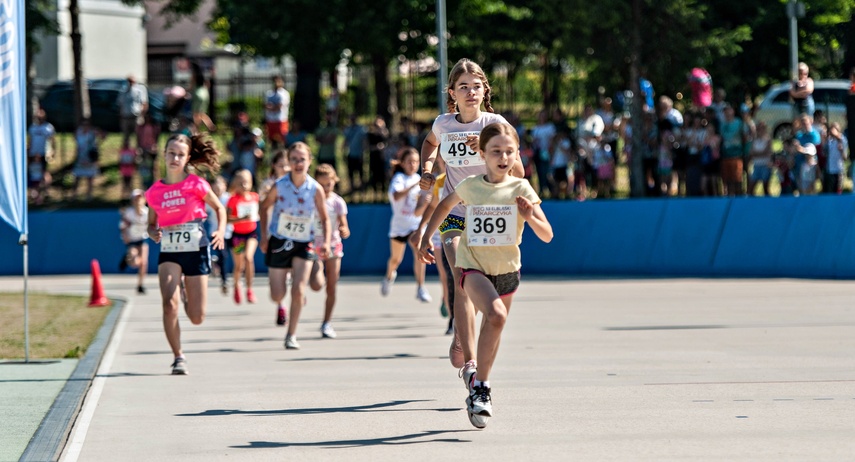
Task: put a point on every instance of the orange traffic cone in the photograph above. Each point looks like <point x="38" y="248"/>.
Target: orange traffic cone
<point x="98" y="298"/>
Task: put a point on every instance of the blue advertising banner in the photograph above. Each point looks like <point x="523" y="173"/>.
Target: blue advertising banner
<point x="13" y="156"/>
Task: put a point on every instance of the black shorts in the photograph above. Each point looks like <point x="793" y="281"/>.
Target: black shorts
<point x="238" y="240"/>
<point x="282" y="252"/>
<point x="192" y="263"/>
<point x="505" y="284"/>
<point x="402" y="238"/>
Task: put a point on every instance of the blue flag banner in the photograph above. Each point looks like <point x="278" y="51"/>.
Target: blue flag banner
<point x="13" y="156"/>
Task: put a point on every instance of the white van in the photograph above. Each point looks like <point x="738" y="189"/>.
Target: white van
<point x="776" y="108"/>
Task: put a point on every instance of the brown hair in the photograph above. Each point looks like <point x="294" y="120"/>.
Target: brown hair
<point x="202" y="151"/>
<point x="465" y="66"/>
<point x="299" y="146"/>
<point x="496" y="129"/>
<point x="326" y="170"/>
<point x="400" y="156"/>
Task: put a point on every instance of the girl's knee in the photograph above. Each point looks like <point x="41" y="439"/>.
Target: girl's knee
<point x="497" y="315"/>
<point x="196" y="319"/>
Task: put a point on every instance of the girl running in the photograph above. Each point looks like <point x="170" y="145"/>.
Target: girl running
<point x="242" y="211"/>
<point x="408" y="204"/>
<point x="455" y="137"/>
<point x="133" y="227"/>
<point x="286" y="236"/>
<point x="176" y="221"/>
<point x="497" y="208"/>
<point x="331" y="265"/>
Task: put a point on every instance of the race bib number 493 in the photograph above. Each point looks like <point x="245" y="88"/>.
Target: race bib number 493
<point x="181" y="238"/>
<point x="456" y="153"/>
<point x="491" y="225"/>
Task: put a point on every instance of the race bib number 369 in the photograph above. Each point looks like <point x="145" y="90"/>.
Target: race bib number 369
<point x="454" y="151"/>
<point x="181" y="238"/>
<point x="491" y="225"/>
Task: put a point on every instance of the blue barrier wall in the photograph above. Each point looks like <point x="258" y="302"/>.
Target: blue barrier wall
<point x="808" y="237"/>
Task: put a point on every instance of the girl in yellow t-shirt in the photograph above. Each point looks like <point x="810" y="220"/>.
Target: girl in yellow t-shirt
<point x="497" y="207"/>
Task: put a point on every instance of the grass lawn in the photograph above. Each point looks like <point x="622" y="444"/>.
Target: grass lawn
<point x="61" y="326"/>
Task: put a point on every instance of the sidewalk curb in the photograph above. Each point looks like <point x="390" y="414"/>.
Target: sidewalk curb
<point x="50" y="438"/>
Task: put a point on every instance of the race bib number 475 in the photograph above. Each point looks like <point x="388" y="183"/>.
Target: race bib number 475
<point x="295" y="228"/>
<point x="456" y="153"/>
<point x="181" y="238"/>
<point x="490" y="225"/>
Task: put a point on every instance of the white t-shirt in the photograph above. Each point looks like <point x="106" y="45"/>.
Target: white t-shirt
<point x="404" y="220"/>
<point x="282" y="97"/>
<point x="136" y="224"/>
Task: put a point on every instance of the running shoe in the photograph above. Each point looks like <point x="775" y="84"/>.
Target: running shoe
<point x="141" y="290"/>
<point x="224" y="288"/>
<point x="443" y="310"/>
<point x="467" y="372"/>
<point x="281" y="316"/>
<point x="423" y="295"/>
<point x="123" y="263"/>
<point x="386" y="285"/>
<point x="327" y="331"/>
<point x="479" y="401"/>
<point x="455" y="353"/>
<point x="291" y="343"/>
<point x="179" y="367"/>
<point x="250" y="296"/>
<point x="450" y="330"/>
<point x="237" y="295"/>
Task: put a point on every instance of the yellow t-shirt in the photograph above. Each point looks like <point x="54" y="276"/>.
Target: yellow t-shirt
<point x="492" y="259"/>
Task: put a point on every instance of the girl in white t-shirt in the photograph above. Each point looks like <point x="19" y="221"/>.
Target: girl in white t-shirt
<point x="408" y="203"/>
<point x="133" y="226"/>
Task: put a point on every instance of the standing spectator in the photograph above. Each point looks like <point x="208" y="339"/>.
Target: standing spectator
<point x="604" y="165"/>
<point x="836" y="149"/>
<point x="276" y="113"/>
<point x="355" y="140"/>
<point x="701" y="83"/>
<point x="807" y="171"/>
<point x="647" y="92"/>
<point x="590" y="130"/>
<point x="562" y="183"/>
<point x="670" y="125"/>
<point x="711" y="161"/>
<point x="806" y="133"/>
<point x="850" y="107"/>
<point x="542" y="135"/>
<point x="127" y="168"/>
<point x="41" y="146"/>
<point x="732" y="137"/>
<point x="201" y="101"/>
<point x="785" y="164"/>
<point x="717" y="106"/>
<point x="326" y="136"/>
<point x="802" y="92"/>
<point x="296" y="134"/>
<point x="133" y="106"/>
<point x="610" y="123"/>
<point x="760" y="158"/>
<point x="86" y="164"/>
<point x="147" y="135"/>
<point x="693" y="137"/>
<point x="378" y="136"/>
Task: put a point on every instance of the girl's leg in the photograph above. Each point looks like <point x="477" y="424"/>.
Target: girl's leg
<point x="143" y="265"/>
<point x="495" y="310"/>
<point x="238" y="259"/>
<point x="278" y="283"/>
<point x="197" y="297"/>
<point x="169" y="275"/>
<point x="332" y="267"/>
<point x="396" y="254"/>
<point x="418" y="266"/>
<point x="249" y="263"/>
<point x="317" y="278"/>
<point x="301" y="271"/>
<point x="464" y="312"/>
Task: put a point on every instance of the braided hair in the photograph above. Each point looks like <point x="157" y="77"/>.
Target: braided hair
<point x="466" y="66"/>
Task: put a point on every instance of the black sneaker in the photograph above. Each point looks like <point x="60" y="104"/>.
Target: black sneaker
<point x="123" y="263"/>
<point x="141" y="290"/>
<point x="179" y="367"/>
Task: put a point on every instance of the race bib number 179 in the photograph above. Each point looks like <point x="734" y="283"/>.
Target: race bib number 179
<point x="181" y="238"/>
<point x="491" y="225"/>
<point x="456" y="153"/>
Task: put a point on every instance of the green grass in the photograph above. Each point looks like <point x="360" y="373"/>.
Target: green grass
<point x="61" y="326"/>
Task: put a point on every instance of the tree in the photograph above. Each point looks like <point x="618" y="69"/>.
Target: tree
<point x="39" y="22"/>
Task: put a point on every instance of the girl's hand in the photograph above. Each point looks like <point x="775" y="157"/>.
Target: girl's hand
<point x="344" y="231"/>
<point x="217" y="240"/>
<point x="427" y="181"/>
<point x="262" y="244"/>
<point x="324" y="252"/>
<point x="426" y="252"/>
<point x="472" y="142"/>
<point x="525" y="207"/>
<point x="155" y="233"/>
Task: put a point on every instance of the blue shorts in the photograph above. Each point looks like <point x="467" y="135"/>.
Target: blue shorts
<point x="452" y="223"/>
<point x="192" y="263"/>
<point x="761" y="173"/>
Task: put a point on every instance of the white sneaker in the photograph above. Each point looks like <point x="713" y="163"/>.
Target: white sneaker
<point x="423" y="295"/>
<point x="386" y="285"/>
<point x="479" y="401"/>
<point x="291" y="343"/>
<point x="466" y="373"/>
<point x="327" y="331"/>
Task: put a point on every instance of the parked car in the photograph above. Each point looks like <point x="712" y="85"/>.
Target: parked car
<point x="776" y="109"/>
<point x="58" y="103"/>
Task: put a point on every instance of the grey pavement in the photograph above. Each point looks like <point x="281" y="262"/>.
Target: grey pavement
<point x="681" y="369"/>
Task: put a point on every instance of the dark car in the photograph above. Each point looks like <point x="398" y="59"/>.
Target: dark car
<point x="58" y="103"/>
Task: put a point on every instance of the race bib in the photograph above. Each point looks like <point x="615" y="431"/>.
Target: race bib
<point x="294" y="228"/>
<point x="455" y="152"/>
<point x="249" y="210"/>
<point x="491" y="225"/>
<point x="181" y="238"/>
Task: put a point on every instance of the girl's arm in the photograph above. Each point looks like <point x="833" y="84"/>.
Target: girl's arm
<point x="441" y="212"/>
<point x="422" y="203"/>
<point x="398" y="195"/>
<point x="518" y="170"/>
<point x="533" y="214"/>
<point x="154" y="232"/>
<point x="323" y="216"/>
<point x="432" y="201"/>
<point x="428" y="154"/>
<point x="343" y="228"/>
<point x="264" y="217"/>
<point x="217" y="237"/>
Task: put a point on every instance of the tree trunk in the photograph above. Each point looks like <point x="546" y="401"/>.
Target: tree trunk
<point x="544" y="87"/>
<point x="307" y="95"/>
<point x="81" y="90"/>
<point x="636" y="167"/>
<point x="381" y="86"/>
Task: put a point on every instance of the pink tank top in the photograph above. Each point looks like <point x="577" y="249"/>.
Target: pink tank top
<point x="460" y="161"/>
<point x="180" y="202"/>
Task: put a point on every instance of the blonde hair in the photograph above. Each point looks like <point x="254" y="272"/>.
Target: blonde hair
<point x="326" y="170"/>
<point x="238" y="175"/>
<point x="465" y="66"/>
<point x="497" y="129"/>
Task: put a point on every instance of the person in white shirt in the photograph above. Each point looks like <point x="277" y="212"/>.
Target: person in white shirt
<point x="276" y="108"/>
